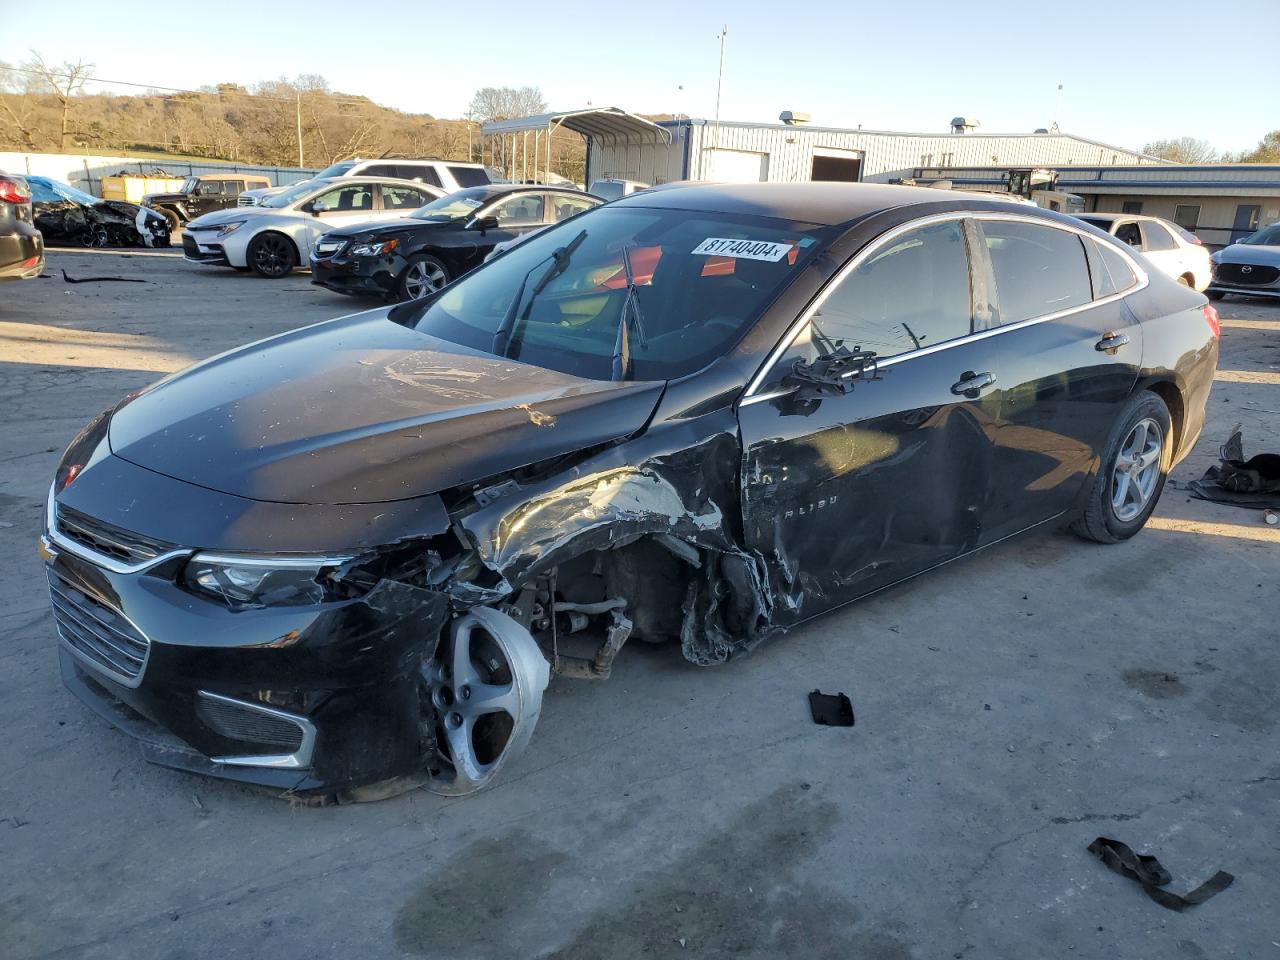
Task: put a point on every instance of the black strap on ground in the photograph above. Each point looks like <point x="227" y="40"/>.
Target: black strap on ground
<point x="103" y="279"/>
<point x="1148" y="872"/>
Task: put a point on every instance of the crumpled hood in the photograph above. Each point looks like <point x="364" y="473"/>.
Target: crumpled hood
<point x="364" y="410"/>
<point x="1249" y="253"/>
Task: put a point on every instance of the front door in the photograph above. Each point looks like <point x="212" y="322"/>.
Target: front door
<point x="208" y="197"/>
<point x="344" y="206"/>
<point x="1069" y="352"/>
<point x="844" y="493"/>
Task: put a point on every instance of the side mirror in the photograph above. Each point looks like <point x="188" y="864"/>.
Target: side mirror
<point x="317" y="207"/>
<point x="483" y="223"/>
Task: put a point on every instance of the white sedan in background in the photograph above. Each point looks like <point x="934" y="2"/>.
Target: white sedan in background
<point x="275" y="237"/>
<point x="1170" y="249"/>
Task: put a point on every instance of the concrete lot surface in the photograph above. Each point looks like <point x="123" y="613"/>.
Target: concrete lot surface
<point x="1010" y="708"/>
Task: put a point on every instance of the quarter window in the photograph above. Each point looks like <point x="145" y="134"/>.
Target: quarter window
<point x="1038" y="270"/>
<point x="1158" y="238"/>
<point x="1112" y="273"/>
<point x="913" y="294"/>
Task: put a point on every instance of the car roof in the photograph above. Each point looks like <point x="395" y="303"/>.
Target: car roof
<point x="826" y="203"/>
<point x="232" y="176"/>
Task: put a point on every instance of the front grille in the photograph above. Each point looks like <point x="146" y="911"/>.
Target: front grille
<point x="248" y="724"/>
<point x="1245" y="273"/>
<point x="109" y="540"/>
<point x="97" y="631"/>
<point x="243" y="201"/>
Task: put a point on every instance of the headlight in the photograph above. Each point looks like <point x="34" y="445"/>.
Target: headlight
<point x="232" y="227"/>
<point x="241" y="580"/>
<point x="373" y="249"/>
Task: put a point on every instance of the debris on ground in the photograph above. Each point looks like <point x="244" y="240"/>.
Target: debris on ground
<point x="1147" y="871"/>
<point x="103" y="279"/>
<point x="831" y="709"/>
<point x="1252" y="483"/>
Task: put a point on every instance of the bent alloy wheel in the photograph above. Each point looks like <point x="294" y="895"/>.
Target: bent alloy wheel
<point x="272" y="255"/>
<point x="483" y="692"/>
<point x="1131" y="473"/>
<point x="423" y="277"/>
<point x="95" y="235"/>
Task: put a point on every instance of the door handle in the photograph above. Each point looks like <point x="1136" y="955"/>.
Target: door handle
<point x="971" y="384"/>
<point x="1111" y="342"/>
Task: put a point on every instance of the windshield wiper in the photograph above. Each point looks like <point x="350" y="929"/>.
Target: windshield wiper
<point x="504" y="335"/>
<point x="630" y="305"/>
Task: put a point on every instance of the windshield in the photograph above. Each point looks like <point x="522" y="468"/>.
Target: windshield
<point x="292" y="194"/>
<point x="337" y="170"/>
<point x="189" y="185"/>
<point x="700" y="282"/>
<point x="455" y="206"/>
<point x="1103" y="225"/>
<point x="1270" y="237"/>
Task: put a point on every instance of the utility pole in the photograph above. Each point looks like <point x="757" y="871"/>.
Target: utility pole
<point x="720" y="82"/>
<point x="298" y="114"/>
<point x="1057" y="110"/>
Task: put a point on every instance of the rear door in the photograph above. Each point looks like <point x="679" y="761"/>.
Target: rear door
<point x="844" y="493"/>
<point x="399" y="200"/>
<point x="1069" y="352"/>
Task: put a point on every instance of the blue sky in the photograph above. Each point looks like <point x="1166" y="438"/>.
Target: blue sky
<point x="1131" y="71"/>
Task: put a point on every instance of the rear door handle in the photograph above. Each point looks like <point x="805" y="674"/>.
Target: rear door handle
<point x="971" y="384"/>
<point x="1112" y="341"/>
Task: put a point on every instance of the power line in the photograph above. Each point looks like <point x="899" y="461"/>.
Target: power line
<point x="333" y="97"/>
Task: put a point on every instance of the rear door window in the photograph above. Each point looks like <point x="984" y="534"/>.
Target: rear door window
<point x="566" y="206"/>
<point x="396" y="197"/>
<point x="1038" y="270"/>
<point x="381" y="170"/>
<point x="1158" y="238"/>
<point x="520" y="211"/>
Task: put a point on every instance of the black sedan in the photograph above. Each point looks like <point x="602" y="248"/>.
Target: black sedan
<point x="353" y="554"/>
<point x="411" y="258"/>
<point x="68" y="216"/>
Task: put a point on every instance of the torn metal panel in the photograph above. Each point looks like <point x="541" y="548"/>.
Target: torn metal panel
<point x="668" y="485"/>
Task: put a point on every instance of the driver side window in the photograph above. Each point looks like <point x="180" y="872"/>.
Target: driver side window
<point x="913" y="293"/>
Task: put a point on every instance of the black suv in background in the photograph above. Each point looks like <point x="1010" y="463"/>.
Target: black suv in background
<point x="21" y="246"/>
<point x="203" y="194"/>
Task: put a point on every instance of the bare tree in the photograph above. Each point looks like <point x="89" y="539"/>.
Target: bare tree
<point x="1267" y="150"/>
<point x="504" y="103"/>
<point x="1183" y="150"/>
<point x="65" y="81"/>
<point x="17" y="106"/>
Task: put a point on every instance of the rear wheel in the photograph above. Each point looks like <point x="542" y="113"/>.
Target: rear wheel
<point x="1214" y="294"/>
<point x="95" y="235"/>
<point x="422" y="277"/>
<point x="1130" y="478"/>
<point x="272" y="255"/>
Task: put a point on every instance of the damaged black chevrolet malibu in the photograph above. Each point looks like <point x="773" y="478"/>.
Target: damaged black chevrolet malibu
<point x="344" y="561"/>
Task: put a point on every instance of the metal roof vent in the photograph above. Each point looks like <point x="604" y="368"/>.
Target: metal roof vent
<point x="794" y="118"/>
<point x="963" y="124"/>
<point x="1042" y="130"/>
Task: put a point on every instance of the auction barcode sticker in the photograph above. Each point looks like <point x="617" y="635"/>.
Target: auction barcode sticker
<point x="743" y="249"/>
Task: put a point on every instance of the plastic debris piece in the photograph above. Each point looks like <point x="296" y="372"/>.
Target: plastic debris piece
<point x="831" y="709"/>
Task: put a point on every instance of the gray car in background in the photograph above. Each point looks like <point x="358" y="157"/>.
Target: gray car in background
<point x="1250" y="266"/>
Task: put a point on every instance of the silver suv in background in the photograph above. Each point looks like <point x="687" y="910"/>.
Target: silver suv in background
<point x="448" y="175"/>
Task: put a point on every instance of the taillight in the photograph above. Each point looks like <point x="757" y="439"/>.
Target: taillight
<point x="13" y="191"/>
<point x="1192" y="238"/>
<point x="1211" y="318"/>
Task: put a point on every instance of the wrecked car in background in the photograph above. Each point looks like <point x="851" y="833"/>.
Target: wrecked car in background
<point x="345" y="560"/>
<point x="71" y="217"/>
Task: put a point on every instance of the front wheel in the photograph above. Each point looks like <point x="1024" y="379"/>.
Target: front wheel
<point x="272" y="255"/>
<point x="422" y="277"/>
<point x="172" y="218"/>
<point x="1131" y="475"/>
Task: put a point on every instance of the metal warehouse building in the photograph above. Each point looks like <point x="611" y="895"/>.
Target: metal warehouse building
<point x="624" y="146"/>
<point x="1220" y="203"/>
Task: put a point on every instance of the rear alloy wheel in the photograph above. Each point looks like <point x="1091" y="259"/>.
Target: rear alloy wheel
<point x="272" y="255"/>
<point x="482" y="694"/>
<point x="423" y="277"/>
<point x="1128" y="484"/>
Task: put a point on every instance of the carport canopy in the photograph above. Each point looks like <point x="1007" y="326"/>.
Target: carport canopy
<point x="597" y="123"/>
